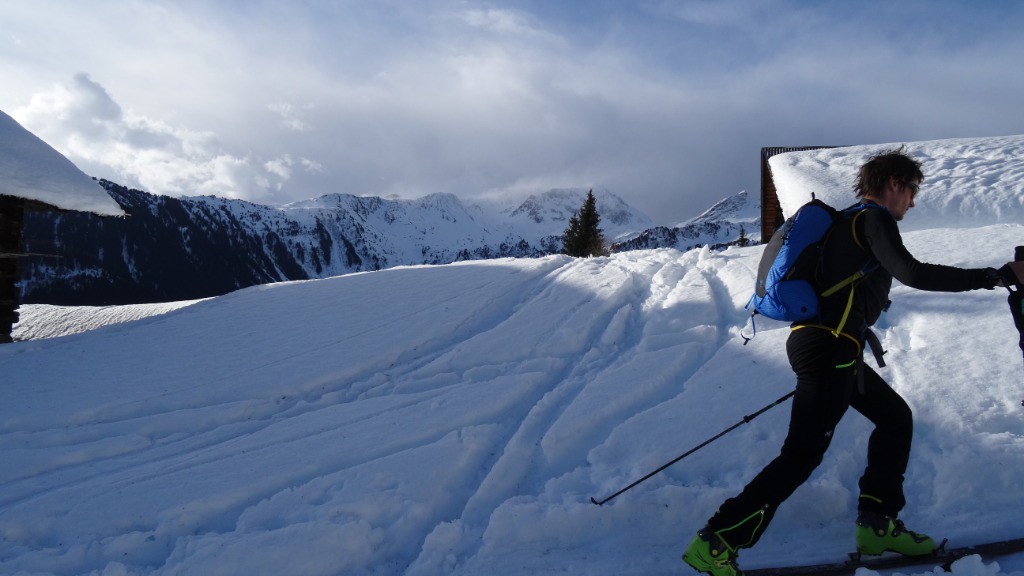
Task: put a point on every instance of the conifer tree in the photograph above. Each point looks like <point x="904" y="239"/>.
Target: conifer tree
<point x="583" y="237"/>
<point x="743" y="240"/>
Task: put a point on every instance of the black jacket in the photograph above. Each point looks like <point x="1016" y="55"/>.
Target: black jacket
<point x="875" y="237"/>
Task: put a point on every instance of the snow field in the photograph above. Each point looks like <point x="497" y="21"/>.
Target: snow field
<point x="457" y="420"/>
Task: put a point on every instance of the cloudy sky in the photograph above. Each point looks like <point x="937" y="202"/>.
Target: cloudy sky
<point x="665" y="103"/>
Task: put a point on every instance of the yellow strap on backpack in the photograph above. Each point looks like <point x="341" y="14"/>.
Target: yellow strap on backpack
<point x="837" y="334"/>
<point x="851" y="279"/>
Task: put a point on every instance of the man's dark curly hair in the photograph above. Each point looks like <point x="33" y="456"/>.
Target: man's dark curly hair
<point x="876" y="172"/>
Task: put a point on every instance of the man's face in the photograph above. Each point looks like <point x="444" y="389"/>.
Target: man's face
<point x="899" y="197"/>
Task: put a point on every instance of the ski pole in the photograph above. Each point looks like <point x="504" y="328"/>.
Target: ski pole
<point x="746" y="419"/>
<point x="1016" y="301"/>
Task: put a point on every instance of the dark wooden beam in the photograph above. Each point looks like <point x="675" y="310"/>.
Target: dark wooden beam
<point x="12" y="215"/>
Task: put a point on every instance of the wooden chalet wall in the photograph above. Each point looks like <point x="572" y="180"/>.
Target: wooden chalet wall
<point x="12" y="214"/>
<point x="771" y="210"/>
<point x="12" y="250"/>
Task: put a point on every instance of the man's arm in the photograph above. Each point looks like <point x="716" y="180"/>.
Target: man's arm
<point x="884" y="240"/>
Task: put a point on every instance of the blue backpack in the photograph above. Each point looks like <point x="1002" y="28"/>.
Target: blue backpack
<point x="786" y="288"/>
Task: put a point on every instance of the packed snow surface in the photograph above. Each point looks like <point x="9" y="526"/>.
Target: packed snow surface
<point x="458" y="419"/>
<point x="48" y="321"/>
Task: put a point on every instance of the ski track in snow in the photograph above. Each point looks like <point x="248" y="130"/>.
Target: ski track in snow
<point x="611" y="342"/>
<point x="141" y="441"/>
<point x="269" y="431"/>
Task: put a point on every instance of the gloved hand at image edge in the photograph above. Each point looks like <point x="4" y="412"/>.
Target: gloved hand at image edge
<point x="1012" y="274"/>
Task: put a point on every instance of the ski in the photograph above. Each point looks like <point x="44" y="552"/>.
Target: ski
<point x="943" y="557"/>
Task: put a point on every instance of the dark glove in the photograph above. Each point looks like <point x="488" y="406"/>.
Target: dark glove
<point x="994" y="277"/>
<point x="1008" y="276"/>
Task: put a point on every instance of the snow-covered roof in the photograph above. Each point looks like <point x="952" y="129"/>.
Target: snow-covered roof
<point x="967" y="182"/>
<point x="32" y="169"/>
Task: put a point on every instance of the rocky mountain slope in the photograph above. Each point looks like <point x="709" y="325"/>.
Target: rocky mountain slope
<point x="172" y="249"/>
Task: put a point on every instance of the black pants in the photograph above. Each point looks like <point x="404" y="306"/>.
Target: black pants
<point x="826" y="385"/>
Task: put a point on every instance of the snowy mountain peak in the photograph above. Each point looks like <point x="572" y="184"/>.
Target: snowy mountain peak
<point x="735" y="219"/>
<point x="551" y="211"/>
<point x="556" y="205"/>
<point x="157" y="254"/>
<point x="736" y="208"/>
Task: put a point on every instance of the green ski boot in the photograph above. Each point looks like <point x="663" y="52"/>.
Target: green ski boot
<point x="710" y="554"/>
<point x="877" y="533"/>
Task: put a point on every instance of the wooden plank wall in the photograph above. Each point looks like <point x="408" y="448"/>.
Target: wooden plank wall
<point x="12" y="214"/>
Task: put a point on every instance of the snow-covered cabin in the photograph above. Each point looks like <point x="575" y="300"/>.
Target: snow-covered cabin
<point x="771" y="209"/>
<point x="34" y="176"/>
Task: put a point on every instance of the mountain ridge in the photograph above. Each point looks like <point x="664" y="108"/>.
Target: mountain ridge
<point x="173" y="248"/>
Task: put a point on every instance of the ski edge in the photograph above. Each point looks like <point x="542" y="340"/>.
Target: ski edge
<point x="944" y="558"/>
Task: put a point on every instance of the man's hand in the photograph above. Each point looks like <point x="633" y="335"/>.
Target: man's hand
<point x="1012" y="273"/>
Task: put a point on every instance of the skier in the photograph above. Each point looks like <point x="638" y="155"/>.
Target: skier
<point x="832" y="377"/>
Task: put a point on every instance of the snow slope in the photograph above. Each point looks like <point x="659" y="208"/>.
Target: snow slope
<point x="30" y="168"/>
<point x="457" y="419"/>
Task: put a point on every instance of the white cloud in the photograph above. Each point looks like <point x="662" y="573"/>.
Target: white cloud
<point x="716" y="12"/>
<point x="290" y="116"/>
<point x="311" y="166"/>
<point x="280" y="167"/>
<point x="504" y="21"/>
<point x="665" y="103"/>
<point x="84" y="122"/>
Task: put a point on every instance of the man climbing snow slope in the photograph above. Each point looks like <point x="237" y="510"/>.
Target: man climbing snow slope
<point x="826" y="353"/>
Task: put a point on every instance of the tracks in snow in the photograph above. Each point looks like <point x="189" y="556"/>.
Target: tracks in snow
<point x="516" y="377"/>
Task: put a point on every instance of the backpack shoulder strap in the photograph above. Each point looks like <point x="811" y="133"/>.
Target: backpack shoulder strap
<point x="854" y="278"/>
<point x="856" y="238"/>
<point x="857" y="210"/>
